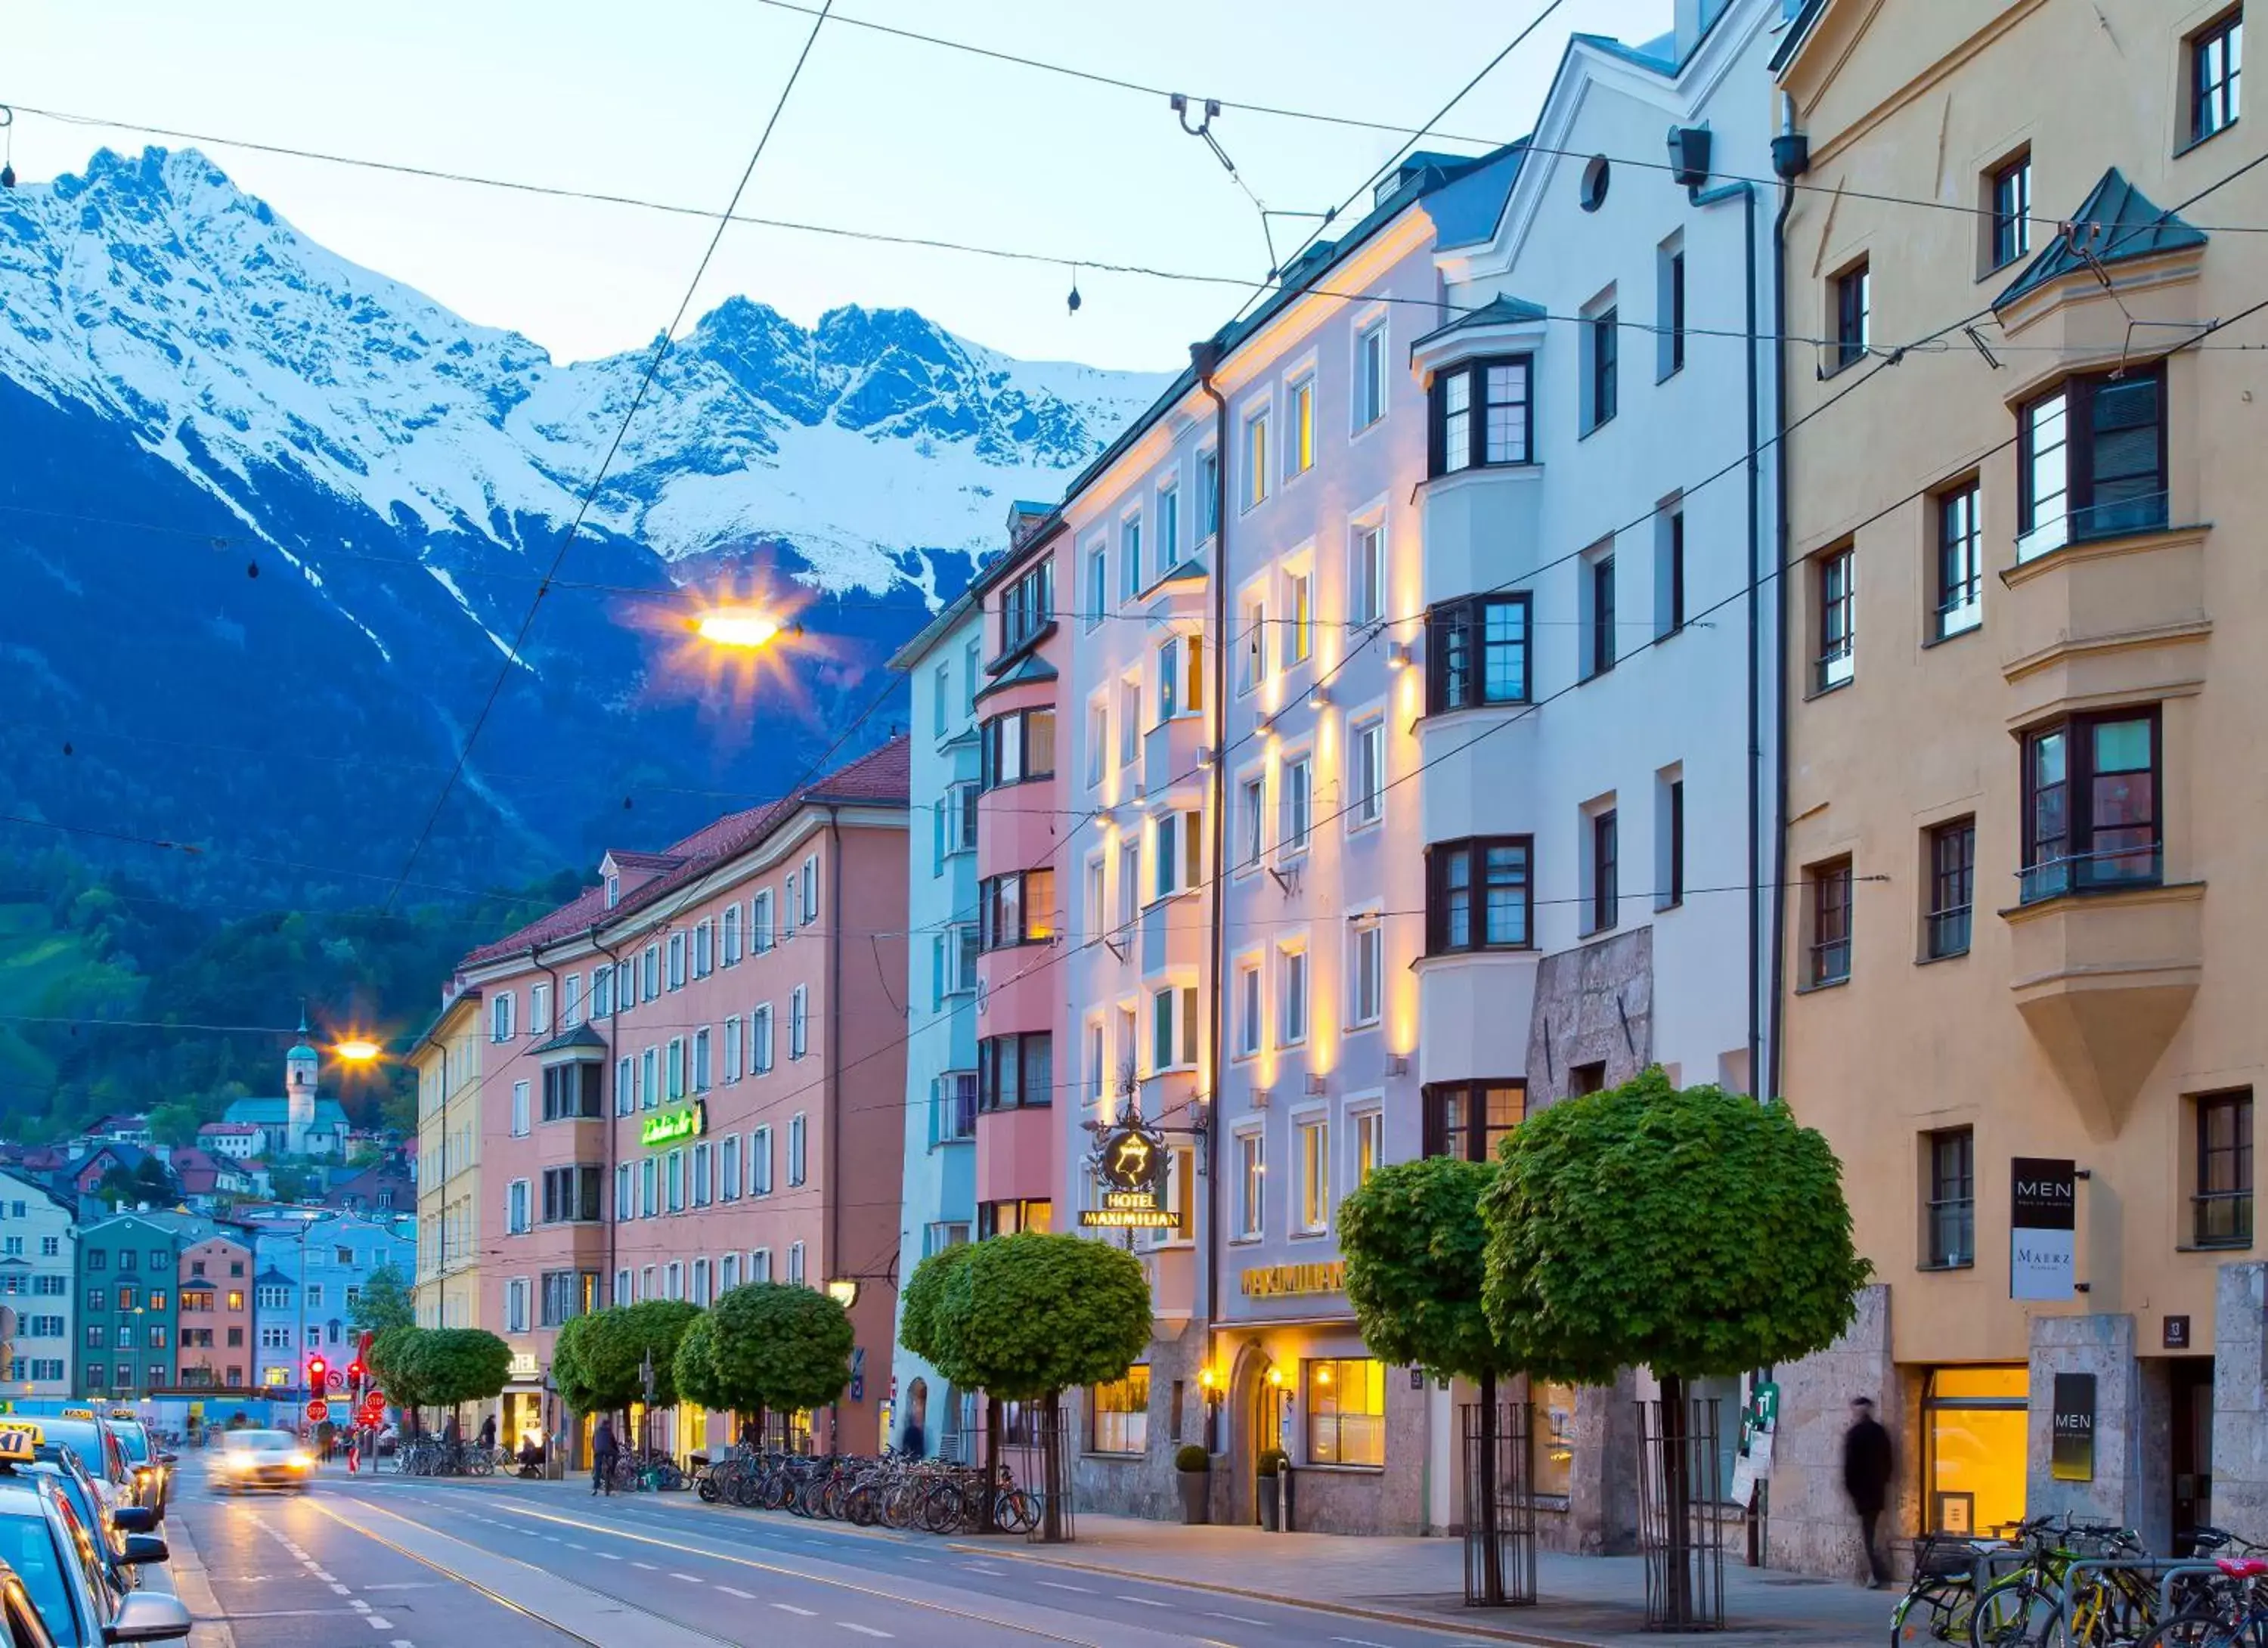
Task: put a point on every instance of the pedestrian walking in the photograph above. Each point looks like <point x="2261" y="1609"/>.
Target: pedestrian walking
<point x="1867" y="1479"/>
<point x="603" y="1450"/>
<point x="488" y="1434"/>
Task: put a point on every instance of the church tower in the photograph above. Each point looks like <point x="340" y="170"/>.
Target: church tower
<point x="299" y="1067"/>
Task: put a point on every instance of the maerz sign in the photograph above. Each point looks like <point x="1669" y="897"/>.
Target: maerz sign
<point x="2042" y="1229"/>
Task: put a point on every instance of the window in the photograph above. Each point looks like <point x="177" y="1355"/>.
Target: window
<point x="1027" y="607"/>
<point x="1098" y="751"/>
<point x="954" y="1098"/>
<point x="1601" y="340"/>
<point x="795" y="1148"/>
<point x="1251" y="1185"/>
<point x="625" y="1192"/>
<point x="1098" y="586"/>
<point x="1837" y="580"/>
<point x="1669" y="570"/>
<point x="1180" y="677"/>
<point x="1173" y="1027"/>
<point x="760" y="922"/>
<point x="2010" y="188"/>
<point x="1476" y="652"/>
<point x="570" y="1091"/>
<point x="1129" y="878"/>
<point x="760" y="1040"/>
<point x="2223" y="1201"/>
<point x="2090" y="804"/>
<point x="1346" y="1411"/>
<point x="1479" y="415"/>
<point x="649" y="973"/>
<point x="516" y="1204"/>
<point x="1252" y="820"/>
<point x="1600" y="652"/>
<point x="1366" y="573"/>
<point x="701" y="1060"/>
<point x="520" y="1110"/>
<point x="1250" y="1016"/>
<point x="735" y="1064"/>
<point x="677" y="961"/>
<point x="1122" y="1414"/>
<point x="1478" y="894"/>
<point x="1130" y="557"/>
<point x="1169" y="528"/>
<point x="674" y="1178"/>
<point x="1252" y="668"/>
<point x="2091" y="461"/>
<point x="1295" y="802"/>
<point x="539" y="1009"/>
<point x="1290" y="996"/>
<point x="1098" y="913"/>
<point x="1960" y="560"/>
<point x="1313" y="1137"/>
<point x="1209" y="498"/>
<point x="570" y="1194"/>
<point x="799" y="1021"/>
<point x="1370" y="375"/>
<point x="516" y="1293"/>
<point x="1299" y="618"/>
<point x="567" y="1294"/>
<point x="1256" y="459"/>
<point x="1015" y="1071"/>
<point x="1130" y="720"/>
<point x="1366" y="970"/>
<point x="1016" y="909"/>
<point x="1952" y="887"/>
<point x="1673" y="310"/>
<point x="1669" y="798"/>
<point x="1369" y="1145"/>
<point x="1300" y="455"/>
<point x="1606" y="871"/>
<point x="2216" y="61"/>
<point x="811" y="864"/>
<point x="1366" y="771"/>
<point x="1950" y="1215"/>
<point x="1179" y="858"/>
<point x="676" y="1068"/>
<point x="1007" y="1218"/>
<point x="760" y="1162"/>
<point x="570" y="1001"/>
<point x="500" y="1017"/>
<point x="602" y="992"/>
<point x="704" y="1174"/>
<point x="1015" y="746"/>
<point x="1853" y="314"/>
<point x="1467" y="1119"/>
<point x="1831" y="922"/>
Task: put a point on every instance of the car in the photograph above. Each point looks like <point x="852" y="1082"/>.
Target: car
<point x="97" y="1449"/>
<point x="261" y="1459"/>
<point x="145" y="1459"/>
<point x="57" y="1460"/>
<point x="69" y="1596"/>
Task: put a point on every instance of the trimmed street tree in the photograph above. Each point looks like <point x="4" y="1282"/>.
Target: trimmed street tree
<point x="692" y="1371"/>
<point x="1025" y="1318"/>
<point x="598" y="1361"/>
<point x="1696" y="1232"/>
<point x="394" y="1357"/>
<point x="1415" y="1246"/>
<point x="455" y="1366"/>
<point x="779" y="1346"/>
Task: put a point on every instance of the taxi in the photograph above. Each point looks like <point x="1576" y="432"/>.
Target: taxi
<point x="144" y="1460"/>
<point x="97" y="1449"/>
<point x="123" y="1552"/>
<point x="67" y="1597"/>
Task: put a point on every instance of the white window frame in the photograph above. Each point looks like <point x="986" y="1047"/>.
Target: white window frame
<point x="761" y="1051"/>
<point x="1258" y="482"/>
<point x="761" y="937"/>
<point x="1366" y="932"/>
<point x="1365" y="1126"/>
<point x="1098" y="583"/>
<point x="1372" y="342"/>
<point x="1168" y="536"/>
<point x="1311" y="1163"/>
<point x="797" y="1162"/>
<point x="1299" y="423"/>
<point x="1251" y="1167"/>
<point x="728" y="1168"/>
<point x="1248" y="1007"/>
<point x="517" y="1211"/>
<point x="1369" y="567"/>
<point x="732" y="1054"/>
<point x="677" y="977"/>
<point x="1295" y="993"/>
<point x="539" y="1009"/>
<point x="500" y="1017"/>
<point x="728" y="928"/>
<point x="1131" y="581"/>
<point x="760" y="1162"/>
<point x="799" y="1021"/>
<point x="520" y="1118"/>
<point x="1251" y="819"/>
<point x="1295" y="794"/>
<point x="1367" y="780"/>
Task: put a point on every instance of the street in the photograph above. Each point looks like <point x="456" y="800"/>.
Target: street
<point x="418" y="1564"/>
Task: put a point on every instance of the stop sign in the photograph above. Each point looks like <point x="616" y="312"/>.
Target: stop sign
<point x="318" y="1411"/>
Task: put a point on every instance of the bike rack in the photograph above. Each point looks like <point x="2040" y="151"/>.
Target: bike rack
<point x="2164" y="1569"/>
<point x="2180" y="1569"/>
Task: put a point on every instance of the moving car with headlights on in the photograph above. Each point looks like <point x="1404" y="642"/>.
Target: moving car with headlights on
<point x="261" y="1459"/>
<point x="68" y="1596"/>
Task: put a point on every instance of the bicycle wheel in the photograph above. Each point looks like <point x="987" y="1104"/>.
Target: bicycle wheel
<point x="1935" y="1610"/>
<point x="2015" y="1612"/>
<point x="2201" y="1630"/>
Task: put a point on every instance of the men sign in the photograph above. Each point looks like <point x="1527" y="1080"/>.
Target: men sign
<point x="2042" y="1228"/>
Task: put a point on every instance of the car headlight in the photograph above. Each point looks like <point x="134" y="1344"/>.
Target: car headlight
<point x="302" y="1461"/>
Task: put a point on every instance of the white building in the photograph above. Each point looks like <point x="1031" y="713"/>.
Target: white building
<point x="39" y="1251"/>
<point x="1599" y="735"/>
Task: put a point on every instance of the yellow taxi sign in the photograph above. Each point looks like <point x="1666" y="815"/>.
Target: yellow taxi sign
<point x="79" y="1413"/>
<point x="18" y="1439"/>
<point x="122" y="1413"/>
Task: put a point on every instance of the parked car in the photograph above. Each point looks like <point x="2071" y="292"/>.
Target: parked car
<point x="153" y="1477"/>
<point x="99" y="1451"/>
<point x="46" y="1550"/>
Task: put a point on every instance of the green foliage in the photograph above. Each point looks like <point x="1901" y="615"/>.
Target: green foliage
<point x="291" y="1184"/>
<point x="694" y="1372"/>
<point x="175" y="1124"/>
<point x="1191" y="1457"/>
<point x="459" y="1364"/>
<point x="1272" y="1461"/>
<point x="1026" y="1316"/>
<point x="919" y="1300"/>
<point x="383" y="1303"/>
<point x="1415" y="1247"/>
<point x="596" y="1360"/>
<point x="788" y="1346"/>
<point x="1696" y="1233"/>
<point x="572" y="1356"/>
<point x="393" y="1360"/>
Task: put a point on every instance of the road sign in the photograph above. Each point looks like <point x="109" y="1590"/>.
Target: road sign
<point x="334" y="1381"/>
<point x="318" y="1411"/>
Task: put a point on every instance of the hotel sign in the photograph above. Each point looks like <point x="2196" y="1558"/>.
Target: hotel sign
<point x="524" y="1365"/>
<point x="676" y="1123"/>
<point x="2042" y="1228"/>
<point x="1128" y="1162"/>
<point x="1129" y="1209"/>
<point x="1277" y="1280"/>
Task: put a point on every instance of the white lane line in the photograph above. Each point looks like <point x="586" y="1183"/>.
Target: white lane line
<point x="320" y="1574"/>
<point x="340" y="1589"/>
<point x="648" y="1567"/>
<point x="688" y="1579"/>
<point x="745" y="1596"/>
<point x="925" y="1561"/>
<point x="380" y="1622"/>
<point x="1153" y="1602"/>
<point x="790" y="1608"/>
<point x="572" y="1545"/>
<point x="1239" y="1618"/>
<point x="1358" y="1642"/>
<point x="609" y="1556"/>
<point x="1057" y="1585"/>
<point x="864" y="1630"/>
<point x="359" y="1605"/>
<point x="974" y="1568"/>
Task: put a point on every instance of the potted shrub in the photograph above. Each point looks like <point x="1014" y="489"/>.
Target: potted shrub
<point x="1272" y="1461"/>
<point x="1194" y="1468"/>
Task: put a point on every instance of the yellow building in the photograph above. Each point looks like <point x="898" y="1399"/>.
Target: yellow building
<point x="2025" y="751"/>
<point x="447" y="1060"/>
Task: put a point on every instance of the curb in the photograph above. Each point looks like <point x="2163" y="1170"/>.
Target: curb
<point x="208" y="1627"/>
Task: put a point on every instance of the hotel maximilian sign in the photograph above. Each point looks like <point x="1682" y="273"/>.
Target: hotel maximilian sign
<point x="1128" y="1163"/>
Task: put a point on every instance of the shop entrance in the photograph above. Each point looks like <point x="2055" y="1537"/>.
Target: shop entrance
<point x="2192" y="1449"/>
<point x="1974" y="1421"/>
<point x="1256" y="1410"/>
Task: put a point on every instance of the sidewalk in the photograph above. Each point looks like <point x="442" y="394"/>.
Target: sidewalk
<point x="1586" y="1602"/>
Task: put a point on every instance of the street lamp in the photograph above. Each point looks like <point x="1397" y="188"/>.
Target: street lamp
<point x="746" y="627"/>
<point x="357" y="1049"/>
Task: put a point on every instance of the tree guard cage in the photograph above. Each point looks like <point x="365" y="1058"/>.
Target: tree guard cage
<point x="1499" y="1506"/>
<point x="1680" y="1524"/>
<point x="1038" y="1500"/>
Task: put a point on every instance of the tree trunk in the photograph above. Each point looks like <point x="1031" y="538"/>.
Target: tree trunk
<point x="1052" y="1472"/>
<point x="987" y="1522"/>
<point x="1677" y="1500"/>
<point x="1491" y="1553"/>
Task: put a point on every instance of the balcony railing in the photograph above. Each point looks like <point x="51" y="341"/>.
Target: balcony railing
<point x="2223" y="1219"/>
<point x="2104" y="870"/>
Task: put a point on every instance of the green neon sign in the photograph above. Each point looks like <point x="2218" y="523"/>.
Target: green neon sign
<point x="679" y="1121"/>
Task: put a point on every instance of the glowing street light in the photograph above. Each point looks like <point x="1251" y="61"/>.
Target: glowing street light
<point x="747" y="627"/>
<point x="358" y="1049"/>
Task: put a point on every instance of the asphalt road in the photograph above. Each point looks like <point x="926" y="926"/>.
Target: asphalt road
<point x="406" y="1563"/>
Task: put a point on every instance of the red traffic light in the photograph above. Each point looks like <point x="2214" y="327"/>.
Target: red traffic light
<point x="354" y="1372"/>
<point x="316" y="1368"/>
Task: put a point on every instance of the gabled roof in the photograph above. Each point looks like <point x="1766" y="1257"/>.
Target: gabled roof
<point x="882" y="778"/>
<point x="630" y="860"/>
<point x="1030" y="667"/>
<point x="568" y="1041"/>
<point x="2115" y="223"/>
<point x="1503" y="310"/>
<point x="1659" y="54"/>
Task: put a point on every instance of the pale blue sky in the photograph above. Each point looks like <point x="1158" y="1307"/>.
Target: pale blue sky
<point x="664" y="99"/>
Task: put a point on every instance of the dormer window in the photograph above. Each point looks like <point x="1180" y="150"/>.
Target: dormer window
<point x="613" y="891"/>
<point x="1480" y="415"/>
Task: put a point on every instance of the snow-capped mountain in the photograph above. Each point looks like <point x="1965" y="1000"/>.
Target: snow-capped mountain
<point x="247" y="486"/>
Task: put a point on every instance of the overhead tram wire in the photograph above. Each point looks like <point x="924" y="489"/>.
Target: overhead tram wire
<point x="590" y="495"/>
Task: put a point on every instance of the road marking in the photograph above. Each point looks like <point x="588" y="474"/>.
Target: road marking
<point x="648" y="1567"/>
<point x="864" y="1630"/>
<point x="378" y="1621"/>
<point x="1239" y="1618"/>
<point x="745" y="1596"/>
<point x="318" y="1573"/>
<point x="688" y="1579"/>
<point x="1057" y="1585"/>
<point x="974" y="1568"/>
<point x="1358" y="1642"/>
<point x="1153" y="1602"/>
<point x="340" y="1589"/>
<point x="572" y="1545"/>
<point x="359" y="1605"/>
<point x="610" y="1557"/>
<point x="790" y="1608"/>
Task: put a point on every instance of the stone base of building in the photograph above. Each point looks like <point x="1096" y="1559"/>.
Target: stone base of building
<point x="1141" y="1482"/>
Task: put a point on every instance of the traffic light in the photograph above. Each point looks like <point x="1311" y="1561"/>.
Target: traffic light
<point x="316" y="1368"/>
<point x="354" y="1378"/>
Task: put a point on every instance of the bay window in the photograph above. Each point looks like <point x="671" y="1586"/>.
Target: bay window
<point x="1480" y="415"/>
<point x="1476" y="652"/>
<point x="2091" y="461"/>
<point x="1479" y="895"/>
<point x="1016" y="909"/>
<point x="1015" y="1071"/>
<point x="1018" y="745"/>
<point x="2091" y="814"/>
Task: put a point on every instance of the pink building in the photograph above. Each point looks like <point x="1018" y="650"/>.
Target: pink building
<point x="694" y="1078"/>
<point x="1019" y="840"/>
<point x="216" y="1315"/>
